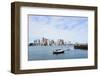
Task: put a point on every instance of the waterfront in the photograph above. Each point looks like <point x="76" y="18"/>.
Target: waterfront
<point x="46" y="53"/>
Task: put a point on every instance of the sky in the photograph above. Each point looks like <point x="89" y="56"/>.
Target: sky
<point x="69" y="28"/>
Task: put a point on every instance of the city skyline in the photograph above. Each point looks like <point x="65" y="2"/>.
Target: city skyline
<point x="68" y="28"/>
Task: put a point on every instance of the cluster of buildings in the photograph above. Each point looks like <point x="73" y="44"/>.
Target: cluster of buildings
<point x="48" y="42"/>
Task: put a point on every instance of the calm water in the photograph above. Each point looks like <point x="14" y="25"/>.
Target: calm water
<point x="46" y="53"/>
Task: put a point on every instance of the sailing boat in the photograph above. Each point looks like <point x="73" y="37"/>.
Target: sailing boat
<point x="68" y="47"/>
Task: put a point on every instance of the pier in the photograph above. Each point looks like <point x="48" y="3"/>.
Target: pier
<point x="81" y="46"/>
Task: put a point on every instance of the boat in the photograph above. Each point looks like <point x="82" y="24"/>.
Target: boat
<point x="58" y="51"/>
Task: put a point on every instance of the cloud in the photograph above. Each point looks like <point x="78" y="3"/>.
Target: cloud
<point x="55" y="27"/>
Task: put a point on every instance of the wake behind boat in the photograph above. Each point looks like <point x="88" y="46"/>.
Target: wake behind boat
<point x="58" y="51"/>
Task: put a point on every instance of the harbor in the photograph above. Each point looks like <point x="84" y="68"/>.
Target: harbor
<point x="46" y="49"/>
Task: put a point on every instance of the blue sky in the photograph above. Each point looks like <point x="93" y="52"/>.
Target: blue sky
<point x="69" y="28"/>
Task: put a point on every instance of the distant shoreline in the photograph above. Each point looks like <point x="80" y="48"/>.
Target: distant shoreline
<point x="75" y="46"/>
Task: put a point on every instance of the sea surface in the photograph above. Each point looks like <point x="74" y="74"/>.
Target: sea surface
<point x="46" y="53"/>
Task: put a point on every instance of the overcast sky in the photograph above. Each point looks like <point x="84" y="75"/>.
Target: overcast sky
<point x="69" y="28"/>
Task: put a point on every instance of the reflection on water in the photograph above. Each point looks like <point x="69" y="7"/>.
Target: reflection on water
<point x="46" y="53"/>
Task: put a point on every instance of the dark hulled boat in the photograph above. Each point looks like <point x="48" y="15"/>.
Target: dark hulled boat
<point x="58" y="51"/>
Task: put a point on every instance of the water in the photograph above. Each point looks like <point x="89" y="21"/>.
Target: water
<point x="46" y="53"/>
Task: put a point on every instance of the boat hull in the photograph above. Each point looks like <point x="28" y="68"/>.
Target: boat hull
<point x="58" y="52"/>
